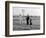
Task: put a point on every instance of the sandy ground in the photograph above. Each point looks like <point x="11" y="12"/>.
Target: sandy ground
<point x="35" y="24"/>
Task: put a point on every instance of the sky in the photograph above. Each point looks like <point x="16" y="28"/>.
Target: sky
<point x="34" y="11"/>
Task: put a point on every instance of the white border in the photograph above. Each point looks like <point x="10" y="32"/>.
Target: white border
<point x="28" y="31"/>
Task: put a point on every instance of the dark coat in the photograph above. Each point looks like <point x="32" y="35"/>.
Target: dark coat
<point x="27" y="20"/>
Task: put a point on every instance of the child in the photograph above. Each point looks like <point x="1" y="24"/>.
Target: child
<point x="30" y="22"/>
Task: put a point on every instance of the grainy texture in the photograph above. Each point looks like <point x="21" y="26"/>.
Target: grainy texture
<point x="23" y="26"/>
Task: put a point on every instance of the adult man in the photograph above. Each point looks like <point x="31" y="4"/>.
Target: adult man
<point x="27" y="19"/>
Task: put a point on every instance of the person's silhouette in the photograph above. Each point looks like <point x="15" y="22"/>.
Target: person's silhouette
<point x="27" y="19"/>
<point x="30" y="21"/>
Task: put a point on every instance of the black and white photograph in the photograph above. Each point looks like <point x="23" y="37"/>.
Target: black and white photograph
<point x="24" y="18"/>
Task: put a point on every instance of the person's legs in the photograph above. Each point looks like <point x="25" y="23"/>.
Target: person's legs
<point x="30" y="24"/>
<point x="27" y="22"/>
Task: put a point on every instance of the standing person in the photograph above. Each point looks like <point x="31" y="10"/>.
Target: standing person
<point x="30" y="22"/>
<point x="27" y="19"/>
<point x="20" y="19"/>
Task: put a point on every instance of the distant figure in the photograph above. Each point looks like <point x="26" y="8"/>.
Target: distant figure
<point x="27" y="19"/>
<point x="30" y="21"/>
<point x="20" y="19"/>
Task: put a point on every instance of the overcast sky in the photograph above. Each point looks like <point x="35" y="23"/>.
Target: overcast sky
<point x="31" y="11"/>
